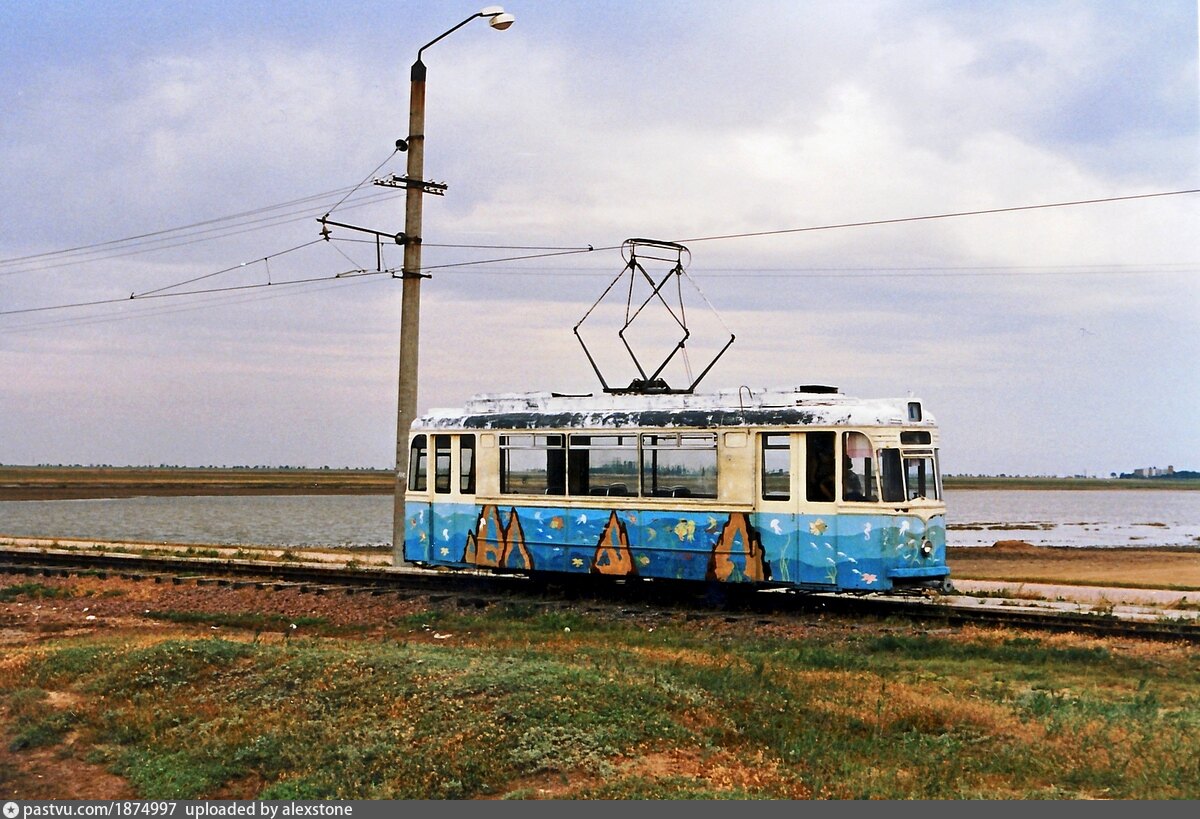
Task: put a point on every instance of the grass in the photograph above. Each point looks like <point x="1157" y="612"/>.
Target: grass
<point x="515" y="703"/>
<point x="38" y="723"/>
<point x="34" y="591"/>
<point x="40" y="591"/>
<point x="254" y="621"/>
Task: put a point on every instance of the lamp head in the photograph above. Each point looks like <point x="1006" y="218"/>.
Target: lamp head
<point x="497" y="17"/>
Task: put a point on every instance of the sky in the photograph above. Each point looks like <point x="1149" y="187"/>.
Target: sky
<point x="158" y="148"/>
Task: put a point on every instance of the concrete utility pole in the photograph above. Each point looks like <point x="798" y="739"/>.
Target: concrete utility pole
<point x="410" y="304"/>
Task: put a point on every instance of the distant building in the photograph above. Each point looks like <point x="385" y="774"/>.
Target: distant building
<point x="1153" y="472"/>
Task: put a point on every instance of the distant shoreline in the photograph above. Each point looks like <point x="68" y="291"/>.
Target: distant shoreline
<point x="1070" y="483"/>
<point x="88" y="482"/>
<point x="82" y="483"/>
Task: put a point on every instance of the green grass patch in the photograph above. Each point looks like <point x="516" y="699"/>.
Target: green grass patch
<point x="452" y="705"/>
<point x="254" y="621"/>
<point x="37" y="724"/>
<point x="33" y="591"/>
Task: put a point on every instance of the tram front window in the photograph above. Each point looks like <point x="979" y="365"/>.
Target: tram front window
<point x="920" y="478"/>
<point x="909" y="475"/>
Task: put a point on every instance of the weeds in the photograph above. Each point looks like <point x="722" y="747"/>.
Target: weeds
<point x="36" y="591"/>
<point x="253" y="621"/>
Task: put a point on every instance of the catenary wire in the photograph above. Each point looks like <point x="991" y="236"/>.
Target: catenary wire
<point x="212" y="301"/>
<point x="899" y="220"/>
<point x="195" y="279"/>
<point x="232" y="216"/>
<point x="348" y="274"/>
<point x="852" y="273"/>
<point x="195" y="237"/>
<point x="591" y="248"/>
<point x="941" y="216"/>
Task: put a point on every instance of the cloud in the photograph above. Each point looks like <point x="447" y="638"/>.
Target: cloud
<point x="672" y="123"/>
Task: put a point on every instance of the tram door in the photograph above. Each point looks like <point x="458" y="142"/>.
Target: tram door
<point x="453" y="512"/>
<point x="417" y="512"/>
<point x="440" y="507"/>
<point x="797" y="510"/>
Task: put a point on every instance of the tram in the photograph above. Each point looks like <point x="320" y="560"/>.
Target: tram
<point x="801" y="488"/>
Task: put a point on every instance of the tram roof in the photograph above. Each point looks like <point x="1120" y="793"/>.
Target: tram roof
<point x="807" y="405"/>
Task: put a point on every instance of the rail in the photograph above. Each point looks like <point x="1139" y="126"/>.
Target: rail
<point x="729" y="601"/>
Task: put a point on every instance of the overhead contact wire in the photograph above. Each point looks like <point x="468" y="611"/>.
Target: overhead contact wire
<point x="240" y="266"/>
<point x="937" y="216"/>
<point x="197" y="236"/>
<point x="253" y="212"/>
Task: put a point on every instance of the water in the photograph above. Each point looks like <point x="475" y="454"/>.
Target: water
<point x="259" y="520"/>
<point x="1074" y="517"/>
<point x="1105" y="518"/>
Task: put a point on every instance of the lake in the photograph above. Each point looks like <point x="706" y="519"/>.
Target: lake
<point x="1099" y="518"/>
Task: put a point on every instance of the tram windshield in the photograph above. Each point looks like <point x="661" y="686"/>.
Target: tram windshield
<point x="908" y="475"/>
<point x="920" y="479"/>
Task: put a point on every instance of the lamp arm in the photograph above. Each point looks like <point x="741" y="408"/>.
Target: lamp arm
<point x="447" y="33"/>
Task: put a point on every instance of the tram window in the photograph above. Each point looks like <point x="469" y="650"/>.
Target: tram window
<point x="417" y="467"/>
<point x="466" y="465"/>
<point x="820" y="467"/>
<point x="776" y="467"/>
<point x="920" y="478"/>
<point x="441" y="463"/>
<point x="532" y="465"/>
<point x="679" y="465"/>
<point x="858" y="468"/>
<point x="603" y="465"/>
<point x="891" y="473"/>
<point x="915" y="437"/>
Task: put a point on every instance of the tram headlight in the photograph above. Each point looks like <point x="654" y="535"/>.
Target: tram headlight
<point x="926" y="548"/>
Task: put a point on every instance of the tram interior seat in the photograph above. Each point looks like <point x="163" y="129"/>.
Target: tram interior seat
<point x="673" y="492"/>
<point x="616" y="489"/>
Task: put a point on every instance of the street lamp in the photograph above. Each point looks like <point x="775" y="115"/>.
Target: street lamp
<point x="410" y="303"/>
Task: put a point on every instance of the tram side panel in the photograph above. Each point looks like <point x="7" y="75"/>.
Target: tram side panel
<point x="829" y="548"/>
<point x="844" y="551"/>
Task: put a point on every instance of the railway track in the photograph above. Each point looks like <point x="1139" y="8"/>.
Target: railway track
<point x="480" y="588"/>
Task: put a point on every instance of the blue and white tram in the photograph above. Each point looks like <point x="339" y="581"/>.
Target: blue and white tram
<point x="801" y="488"/>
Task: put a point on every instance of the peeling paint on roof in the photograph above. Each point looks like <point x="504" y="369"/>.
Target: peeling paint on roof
<point x="803" y="406"/>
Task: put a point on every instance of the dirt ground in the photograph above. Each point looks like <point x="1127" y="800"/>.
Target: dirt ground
<point x="1133" y="568"/>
